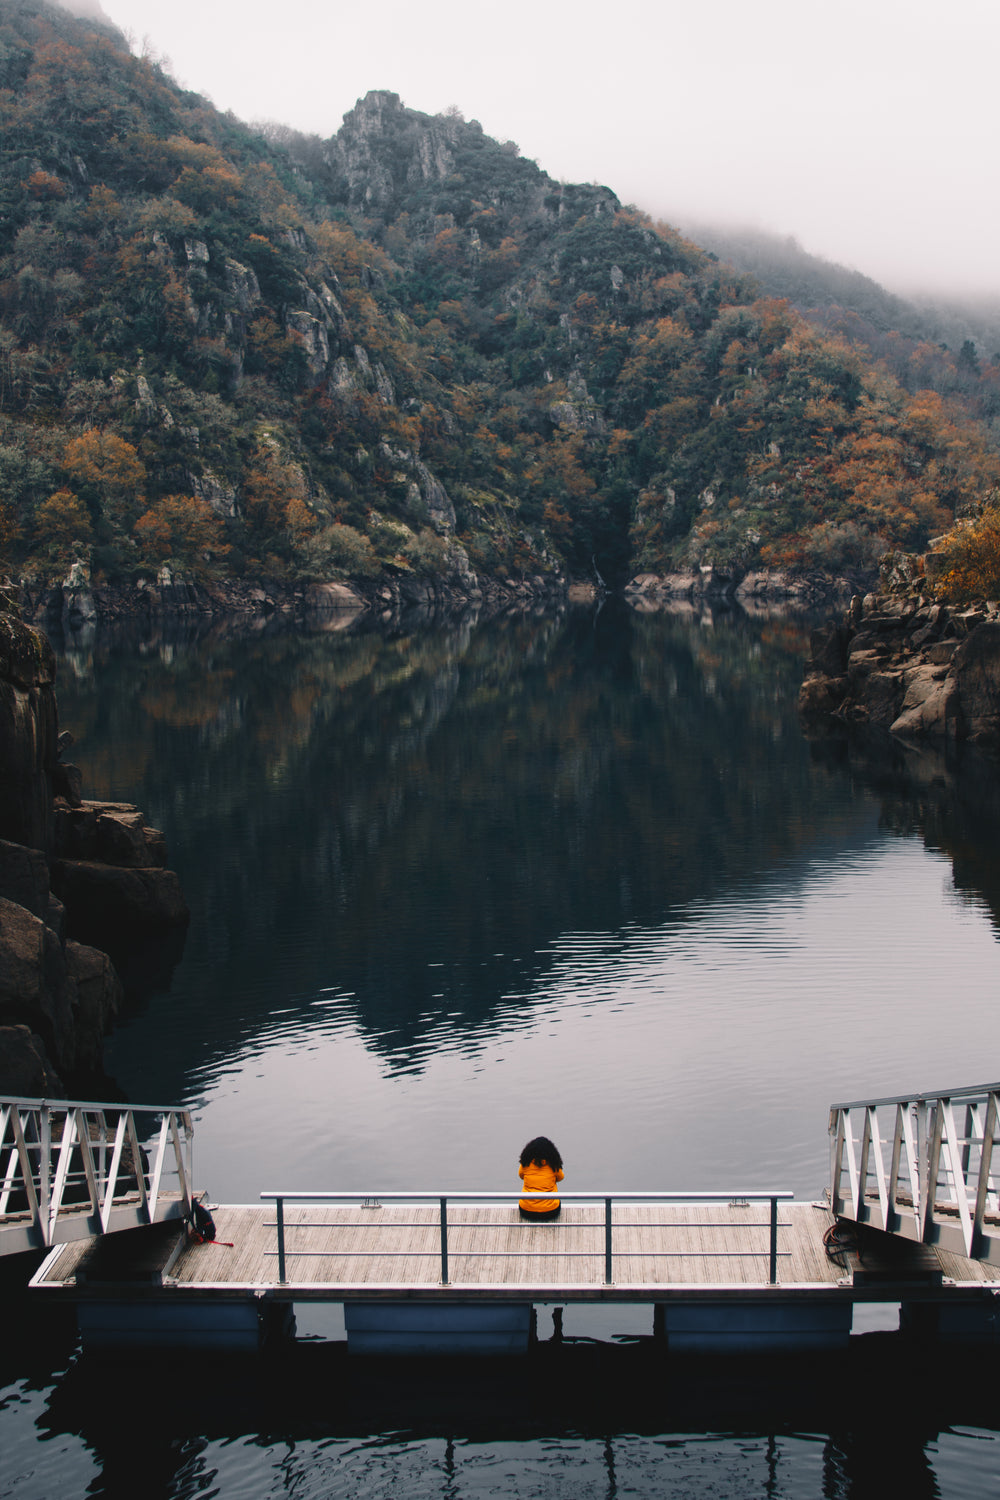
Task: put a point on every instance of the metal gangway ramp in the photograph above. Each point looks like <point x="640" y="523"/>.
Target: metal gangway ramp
<point x="72" y="1170"/>
<point x="921" y="1167"/>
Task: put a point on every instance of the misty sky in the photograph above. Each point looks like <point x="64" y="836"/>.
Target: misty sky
<point x="867" y="129"/>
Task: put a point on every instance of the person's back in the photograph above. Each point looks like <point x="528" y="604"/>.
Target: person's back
<point x="540" y="1169"/>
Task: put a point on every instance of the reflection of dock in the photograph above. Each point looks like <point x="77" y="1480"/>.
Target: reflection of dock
<point x="447" y="1272"/>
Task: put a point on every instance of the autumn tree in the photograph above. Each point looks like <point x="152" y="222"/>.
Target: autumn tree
<point x="275" y="496"/>
<point x="62" y="524"/>
<point x="183" y="529"/>
<point x="110" y="467"/>
<point x="967" y="560"/>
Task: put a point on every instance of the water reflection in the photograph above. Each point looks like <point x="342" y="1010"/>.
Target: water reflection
<point x="589" y="860"/>
<point x="435" y="810"/>
<point x="455" y="884"/>
<point x="572" y="1421"/>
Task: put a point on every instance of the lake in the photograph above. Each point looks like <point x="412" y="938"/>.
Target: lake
<point x="458" y="883"/>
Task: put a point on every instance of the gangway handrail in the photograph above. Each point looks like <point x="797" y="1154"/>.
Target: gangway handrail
<point x="921" y="1096"/>
<point x="442" y="1199"/>
<point x="73" y="1168"/>
<point x="920" y="1165"/>
<point x="109" y="1106"/>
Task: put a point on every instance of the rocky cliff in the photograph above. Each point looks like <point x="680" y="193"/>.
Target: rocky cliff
<point x="403" y="359"/>
<point x="911" y="666"/>
<point x="76" y="878"/>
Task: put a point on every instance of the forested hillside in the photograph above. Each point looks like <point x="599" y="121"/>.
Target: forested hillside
<point x="406" y="351"/>
<point x="950" y="346"/>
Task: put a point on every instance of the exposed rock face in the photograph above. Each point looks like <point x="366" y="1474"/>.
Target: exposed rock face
<point x="34" y="989"/>
<point x="113" y="833"/>
<point x="909" y="666"/>
<point x="366" y="171"/>
<point x="25" y="1071"/>
<point x="98" y="1001"/>
<point x="71" y="873"/>
<point x="28" y="733"/>
<point x="797" y="590"/>
<point x="108" y="901"/>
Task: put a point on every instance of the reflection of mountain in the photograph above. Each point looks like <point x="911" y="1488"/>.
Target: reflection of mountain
<point x="950" y="798"/>
<point x="414" y="820"/>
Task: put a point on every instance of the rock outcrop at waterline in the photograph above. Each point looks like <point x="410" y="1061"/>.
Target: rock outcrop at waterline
<point x="76" y="878"/>
<point x="919" y="669"/>
<point x="793" y="590"/>
<point x="74" y="604"/>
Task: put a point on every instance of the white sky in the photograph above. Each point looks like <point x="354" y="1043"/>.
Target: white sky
<point x="867" y="129"/>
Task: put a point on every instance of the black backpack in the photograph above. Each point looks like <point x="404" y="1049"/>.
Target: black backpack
<point x="201" y="1225"/>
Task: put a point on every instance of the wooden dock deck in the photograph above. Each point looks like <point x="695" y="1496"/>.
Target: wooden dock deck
<point x="662" y="1252"/>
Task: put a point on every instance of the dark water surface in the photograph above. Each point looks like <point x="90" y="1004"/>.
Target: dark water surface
<point x="460" y="884"/>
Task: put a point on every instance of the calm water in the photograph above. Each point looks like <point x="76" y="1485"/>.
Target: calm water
<point x="462" y="884"/>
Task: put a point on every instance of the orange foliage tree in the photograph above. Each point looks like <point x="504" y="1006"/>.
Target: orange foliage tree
<point x="182" y="528"/>
<point x="110" y="466"/>
<point x="62" y="522"/>
<point x="967" y="560"/>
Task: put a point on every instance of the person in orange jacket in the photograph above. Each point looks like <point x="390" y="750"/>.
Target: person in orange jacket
<point x="540" y="1170"/>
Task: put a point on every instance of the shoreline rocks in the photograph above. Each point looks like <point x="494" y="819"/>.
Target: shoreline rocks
<point x="792" y="590"/>
<point x="75" y="605"/>
<point x="79" y="881"/>
<point x="910" y="666"/>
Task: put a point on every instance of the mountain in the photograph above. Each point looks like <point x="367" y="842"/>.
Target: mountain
<point x="951" y="346"/>
<point x="405" y="352"/>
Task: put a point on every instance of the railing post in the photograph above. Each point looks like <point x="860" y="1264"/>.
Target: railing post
<point x="44" y="1169"/>
<point x="279" y="1204"/>
<point x="773" y="1268"/>
<point x="985" y="1171"/>
<point x="444" y="1241"/>
<point x="608" y="1278"/>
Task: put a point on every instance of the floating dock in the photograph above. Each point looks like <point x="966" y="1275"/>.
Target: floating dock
<point x="912" y="1218"/>
<point x="703" y="1268"/>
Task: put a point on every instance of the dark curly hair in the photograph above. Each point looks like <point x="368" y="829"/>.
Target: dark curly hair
<point x="541" y="1149"/>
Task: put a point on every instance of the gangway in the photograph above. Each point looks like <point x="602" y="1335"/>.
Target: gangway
<point x="72" y="1170"/>
<point x="921" y="1166"/>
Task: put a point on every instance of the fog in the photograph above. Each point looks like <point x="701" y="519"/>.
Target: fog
<point x="866" y="130"/>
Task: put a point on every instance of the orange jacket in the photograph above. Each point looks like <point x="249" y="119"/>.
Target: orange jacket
<point x="539" y="1177"/>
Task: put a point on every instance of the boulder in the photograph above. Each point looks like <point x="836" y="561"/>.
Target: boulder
<point x="34" y="984"/>
<point x="930" y="705"/>
<point x="25" y="1069"/>
<point x="918" y="669"/>
<point x="111" y="903"/>
<point x="24" y="878"/>
<point x="98" y="1002"/>
<point x="112" y="833"/>
<point x="828" y="644"/>
<point x="976" y="666"/>
<point x="883" y="695"/>
<point x="333" y="596"/>
<point x="822" y="697"/>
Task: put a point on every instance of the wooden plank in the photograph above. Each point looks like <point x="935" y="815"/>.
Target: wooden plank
<point x="338" y="1250"/>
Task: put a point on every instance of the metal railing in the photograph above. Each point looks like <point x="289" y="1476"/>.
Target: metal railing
<point x="445" y="1252"/>
<point x="921" y="1166"/>
<point x="71" y="1170"/>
